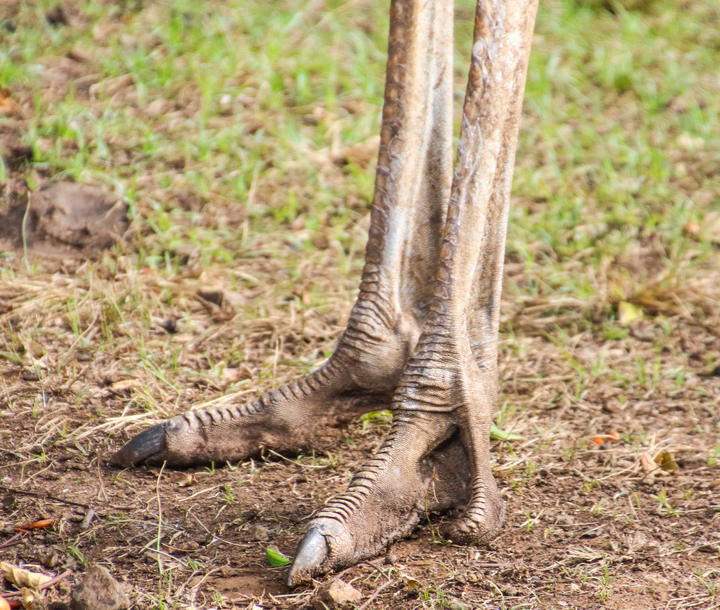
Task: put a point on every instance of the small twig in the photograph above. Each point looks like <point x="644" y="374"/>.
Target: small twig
<point x="159" y="530"/>
<point x="181" y="589"/>
<point x="78" y="375"/>
<point x="282" y="457"/>
<point x="379" y="590"/>
<point x="8" y="595"/>
<point x="55" y="580"/>
<point x="374" y="567"/>
<point x="305" y="600"/>
<point x="87" y="519"/>
<point x="42" y="496"/>
<point x="13" y="541"/>
<point x="370" y="563"/>
<point x="24" y="233"/>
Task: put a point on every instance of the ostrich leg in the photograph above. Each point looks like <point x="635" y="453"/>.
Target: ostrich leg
<point x="437" y="454"/>
<point x="411" y="189"/>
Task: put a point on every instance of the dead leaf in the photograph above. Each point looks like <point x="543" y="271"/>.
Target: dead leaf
<point x="360" y="154"/>
<point x="7" y="104"/>
<point x="232" y="374"/>
<point x="34" y="525"/>
<point x="687" y="142"/>
<point x="111" y="86"/>
<point x="184" y="479"/>
<point x="35" y="348"/>
<point x="80" y="54"/>
<point x="220" y="297"/>
<point x="125" y="385"/>
<point x="679" y="105"/>
<point x="27" y="599"/>
<point x="666" y="461"/>
<point x="710" y="227"/>
<point x="611" y="437"/>
<point x="101" y="31"/>
<point x="627" y="312"/>
<point x="648" y="464"/>
<point x="184" y="338"/>
<point x="22" y="578"/>
<point x="692" y="228"/>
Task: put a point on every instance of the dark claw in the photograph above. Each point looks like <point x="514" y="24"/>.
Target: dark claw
<point x="309" y="557"/>
<point x="142" y="448"/>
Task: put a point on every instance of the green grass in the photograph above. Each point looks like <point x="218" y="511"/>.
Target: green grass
<point x="220" y="124"/>
<point x="602" y="163"/>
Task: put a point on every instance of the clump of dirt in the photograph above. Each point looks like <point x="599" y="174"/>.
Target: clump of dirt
<point x="65" y="217"/>
<point x="98" y="590"/>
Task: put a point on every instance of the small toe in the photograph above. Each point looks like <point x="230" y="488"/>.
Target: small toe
<point x="482" y="519"/>
<point x="147" y="445"/>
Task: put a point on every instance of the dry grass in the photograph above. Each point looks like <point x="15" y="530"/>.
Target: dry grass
<point x="239" y="134"/>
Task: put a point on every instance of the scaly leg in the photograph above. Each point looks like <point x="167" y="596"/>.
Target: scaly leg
<point x="411" y="189"/>
<point x="437" y="454"/>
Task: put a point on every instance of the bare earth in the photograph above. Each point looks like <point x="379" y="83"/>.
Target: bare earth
<point x="613" y="487"/>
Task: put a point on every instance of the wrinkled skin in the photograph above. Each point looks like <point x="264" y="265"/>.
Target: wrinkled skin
<point x="422" y="335"/>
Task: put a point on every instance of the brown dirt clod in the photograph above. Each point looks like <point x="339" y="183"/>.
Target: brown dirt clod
<point x="336" y="594"/>
<point x="98" y="590"/>
<point x="66" y="214"/>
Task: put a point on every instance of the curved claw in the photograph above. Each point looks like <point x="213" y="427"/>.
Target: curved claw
<point x="142" y="448"/>
<point x="311" y="554"/>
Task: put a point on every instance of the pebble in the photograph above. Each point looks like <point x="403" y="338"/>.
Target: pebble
<point x="336" y="594"/>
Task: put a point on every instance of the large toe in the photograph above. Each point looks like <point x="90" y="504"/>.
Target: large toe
<point x="310" y="557"/>
<point x="385" y="499"/>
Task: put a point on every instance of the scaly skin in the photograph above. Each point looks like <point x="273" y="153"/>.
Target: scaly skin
<point x="422" y="336"/>
<point x="411" y="189"/>
<point x="447" y="395"/>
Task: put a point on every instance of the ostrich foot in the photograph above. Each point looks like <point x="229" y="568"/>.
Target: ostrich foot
<point x="435" y="457"/>
<point x="304" y="415"/>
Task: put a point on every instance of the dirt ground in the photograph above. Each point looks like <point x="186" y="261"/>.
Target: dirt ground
<point x="613" y="485"/>
<point x="587" y="527"/>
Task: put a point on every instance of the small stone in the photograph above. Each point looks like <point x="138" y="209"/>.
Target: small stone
<point x="612" y="406"/>
<point x="259" y="532"/>
<point x="336" y="594"/>
<point x="565" y="520"/>
<point x="511" y="591"/>
<point x="80" y="54"/>
<point x="155" y="109"/>
<point x="50" y="560"/>
<point x="98" y="590"/>
<point x="574" y="587"/>
<point x="679" y="105"/>
<point x="641" y="542"/>
<point x="169" y="326"/>
<point x="56" y="16"/>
